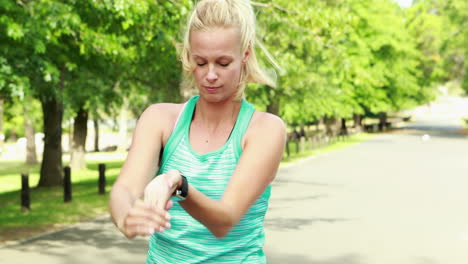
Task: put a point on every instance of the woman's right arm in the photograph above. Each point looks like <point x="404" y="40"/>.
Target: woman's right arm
<point x="129" y="213"/>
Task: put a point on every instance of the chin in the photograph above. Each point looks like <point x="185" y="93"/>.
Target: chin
<point x="213" y="98"/>
<point x="218" y="97"/>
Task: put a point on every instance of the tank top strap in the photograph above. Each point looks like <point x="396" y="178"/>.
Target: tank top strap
<point x="184" y="120"/>
<point x="243" y="120"/>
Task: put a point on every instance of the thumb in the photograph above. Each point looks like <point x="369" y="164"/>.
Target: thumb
<point x="169" y="204"/>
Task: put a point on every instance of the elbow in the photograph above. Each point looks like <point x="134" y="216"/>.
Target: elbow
<point x="220" y="231"/>
<point x="224" y="222"/>
<point x="222" y="228"/>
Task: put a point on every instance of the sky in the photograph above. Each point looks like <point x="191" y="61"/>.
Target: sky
<point x="404" y="3"/>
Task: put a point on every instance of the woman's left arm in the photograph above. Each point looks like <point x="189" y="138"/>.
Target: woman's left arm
<point x="257" y="167"/>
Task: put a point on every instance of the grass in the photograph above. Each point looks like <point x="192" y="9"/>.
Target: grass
<point x="336" y="145"/>
<point x="49" y="212"/>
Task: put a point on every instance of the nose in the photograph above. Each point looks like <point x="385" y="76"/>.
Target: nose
<point x="211" y="76"/>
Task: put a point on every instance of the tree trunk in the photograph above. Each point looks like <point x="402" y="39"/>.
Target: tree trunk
<point x="329" y="125"/>
<point x="78" y="150"/>
<point x="31" y="156"/>
<point x="13" y="137"/>
<point x="70" y="134"/>
<point x="96" y="134"/>
<point x="382" y="121"/>
<point x="357" y="122"/>
<point x="122" y="145"/>
<point x="2" y="134"/>
<point x="52" y="109"/>
<point x="318" y="124"/>
<point x="344" y="128"/>
<point x="51" y="167"/>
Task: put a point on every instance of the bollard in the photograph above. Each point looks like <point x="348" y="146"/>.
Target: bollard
<point x="287" y="148"/>
<point x="67" y="188"/>
<point x="25" y="195"/>
<point x="102" y="178"/>
<point x="297" y="145"/>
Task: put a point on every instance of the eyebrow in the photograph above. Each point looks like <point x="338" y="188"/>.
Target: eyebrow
<point x="219" y="58"/>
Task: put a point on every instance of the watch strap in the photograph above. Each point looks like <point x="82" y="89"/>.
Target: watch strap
<point x="181" y="193"/>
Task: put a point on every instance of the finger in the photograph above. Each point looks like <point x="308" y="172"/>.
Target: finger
<point x="163" y="213"/>
<point x="169" y="205"/>
<point x="142" y="230"/>
<point x="143" y="212"/>
<point x="133" y="228"/>
<point x="143" y="226"/>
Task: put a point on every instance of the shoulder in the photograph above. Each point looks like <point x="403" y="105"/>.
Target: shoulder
<point x="266" y="125"/>
<point x="158" y="120"/>
<point x="264" y="121"/>
<point x="160" y="112"/>
<point x="160" y="115"/>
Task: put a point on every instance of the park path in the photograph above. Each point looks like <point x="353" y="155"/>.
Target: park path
<point x="399" y="198"/>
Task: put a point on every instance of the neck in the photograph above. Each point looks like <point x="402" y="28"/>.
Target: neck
<point x="212" y="115"/>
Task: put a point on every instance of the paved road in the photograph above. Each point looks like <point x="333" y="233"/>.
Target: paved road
<point x="398" y="198"/>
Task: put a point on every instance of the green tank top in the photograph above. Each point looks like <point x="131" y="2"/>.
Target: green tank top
<point x="188" y="241"/>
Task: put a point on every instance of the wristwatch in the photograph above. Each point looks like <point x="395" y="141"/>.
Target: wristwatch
<point x="181" y="193"/>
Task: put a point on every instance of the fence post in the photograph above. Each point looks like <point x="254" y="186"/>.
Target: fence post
<point x="287" y="147"/>
<point x="102" y="178"/>
<point x="25" y="194"/>
<point x="67" y="188"/>
<point x="296" y="140"/>
<point x="311" y="143"/>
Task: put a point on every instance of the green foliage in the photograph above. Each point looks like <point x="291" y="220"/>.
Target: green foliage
<point x="337" y="58"/>
<point x="341" y="58"/>
<point x="14" y="118"/>
<point x="454" y="48"/>
<point x="91" y="46"/>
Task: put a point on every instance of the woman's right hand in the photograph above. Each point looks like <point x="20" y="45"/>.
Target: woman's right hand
<point x="143" y="219"/>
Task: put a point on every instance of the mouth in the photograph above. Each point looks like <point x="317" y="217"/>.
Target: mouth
<point x="211" y="89"/>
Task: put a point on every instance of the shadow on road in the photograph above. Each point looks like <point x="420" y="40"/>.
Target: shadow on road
<point x="280" y="181"/>
<point x="288" y="224"/>
<point x="99" y="234"/>
<point x="438" y="128"/>
<point x="274" y="257"/>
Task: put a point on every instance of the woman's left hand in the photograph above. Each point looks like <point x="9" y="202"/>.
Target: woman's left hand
<point x="161" y="188"/>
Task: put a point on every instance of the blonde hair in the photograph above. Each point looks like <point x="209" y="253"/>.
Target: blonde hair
<point x="211" y="14"/>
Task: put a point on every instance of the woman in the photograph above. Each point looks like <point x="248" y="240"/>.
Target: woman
<point x="208" y="202"/>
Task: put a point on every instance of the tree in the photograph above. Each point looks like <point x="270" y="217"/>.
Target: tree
<point x="74" y="50"/>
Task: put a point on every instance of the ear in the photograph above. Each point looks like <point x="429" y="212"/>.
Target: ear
<point x="246" y="56"/>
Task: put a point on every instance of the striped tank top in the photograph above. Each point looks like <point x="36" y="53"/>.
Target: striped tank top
<point x="188" y="241"/>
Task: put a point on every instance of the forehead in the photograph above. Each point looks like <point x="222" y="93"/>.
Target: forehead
<point x="215" y="42"/>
